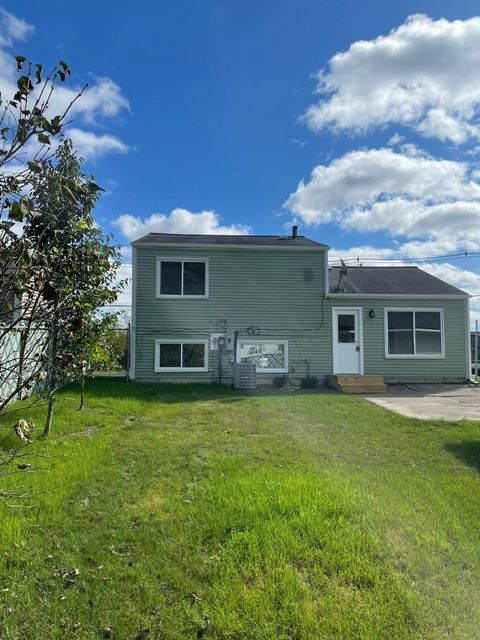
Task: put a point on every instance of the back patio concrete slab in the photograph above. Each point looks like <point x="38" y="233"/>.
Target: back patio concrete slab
<point x="431" y="402"/>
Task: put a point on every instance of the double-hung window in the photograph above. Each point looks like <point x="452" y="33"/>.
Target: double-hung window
<point x="182" y="278"/>
<point x="269" y="356"/>
<point x="181" y="355"/>
<point x="414" y="333"/>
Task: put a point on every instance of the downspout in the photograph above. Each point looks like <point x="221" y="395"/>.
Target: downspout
<point x="468" y="354"/>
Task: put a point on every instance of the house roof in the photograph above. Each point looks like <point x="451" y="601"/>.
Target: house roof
<point x="389" y="281"/>
<point x="225" y="240"/>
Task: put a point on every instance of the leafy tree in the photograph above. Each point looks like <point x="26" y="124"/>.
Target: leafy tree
<point x="28" y="129"/>
<point x="81" y="261"/>
<point x="56" y="267"/>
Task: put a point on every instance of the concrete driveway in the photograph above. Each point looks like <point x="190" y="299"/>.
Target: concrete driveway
<point x="431" y="402"/>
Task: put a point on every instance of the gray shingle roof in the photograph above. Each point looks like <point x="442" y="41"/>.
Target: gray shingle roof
<point x="389" y="281"/>
<point x="203" y="239"/>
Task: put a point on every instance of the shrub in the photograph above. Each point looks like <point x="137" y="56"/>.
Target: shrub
<point x="280" y="381"/>
<point x="310" y="382"/>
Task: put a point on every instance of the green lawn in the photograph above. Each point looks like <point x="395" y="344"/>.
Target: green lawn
<point x="178" y="512"/>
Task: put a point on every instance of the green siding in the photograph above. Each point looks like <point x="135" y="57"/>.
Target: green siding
<point x="453" y="366"/>
<point x="267" y="289"/>
<point x="247" y="287"/>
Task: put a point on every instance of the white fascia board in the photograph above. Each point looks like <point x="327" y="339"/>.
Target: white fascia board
<point x="398" y="296"/>
<point x="185" y="245"/>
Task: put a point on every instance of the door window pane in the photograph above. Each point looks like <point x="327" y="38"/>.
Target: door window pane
<point x="193" y="356"/>
<point x="170" y="355"/>
<point x="346" y="327"/>
<point x="194" y="278"/>
<point x="171" y="278"/>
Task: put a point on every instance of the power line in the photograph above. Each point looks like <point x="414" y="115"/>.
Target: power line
<point x="371" y="258"/>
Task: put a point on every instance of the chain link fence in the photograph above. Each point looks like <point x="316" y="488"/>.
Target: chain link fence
<point x="119" y="339"/>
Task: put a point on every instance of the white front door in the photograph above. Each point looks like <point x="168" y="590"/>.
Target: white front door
<point x="347" y="341"/>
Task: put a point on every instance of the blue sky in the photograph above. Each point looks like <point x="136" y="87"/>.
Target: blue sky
<point x="211" y="110"/>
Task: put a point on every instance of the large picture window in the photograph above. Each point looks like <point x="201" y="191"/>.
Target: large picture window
<point x="270" y="357"/>
<point x="182" y="278"/>
<point x="414" y="333"/>
<point x="185" y="355"/>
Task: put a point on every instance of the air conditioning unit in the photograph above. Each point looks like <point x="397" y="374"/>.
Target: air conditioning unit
<point x="245" y="375"/>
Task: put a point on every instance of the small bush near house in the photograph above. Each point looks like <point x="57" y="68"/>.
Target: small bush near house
<point x="280" y="381"/>
<point x="310" y="382"/>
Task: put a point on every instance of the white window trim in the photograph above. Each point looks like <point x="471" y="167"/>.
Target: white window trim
<point x="183" y="259"/>
<point x="415" y="356"/>
<point x="261" y="369"/>
<point x="181" y="341"/>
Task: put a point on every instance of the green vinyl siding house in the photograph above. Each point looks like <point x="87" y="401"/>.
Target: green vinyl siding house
<point x="203" y="304"/>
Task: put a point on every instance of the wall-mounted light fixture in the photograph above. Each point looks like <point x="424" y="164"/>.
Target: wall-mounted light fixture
<point x="371" y="313"/>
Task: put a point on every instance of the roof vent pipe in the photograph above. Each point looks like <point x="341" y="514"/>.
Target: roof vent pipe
<point x="294" y="231"/>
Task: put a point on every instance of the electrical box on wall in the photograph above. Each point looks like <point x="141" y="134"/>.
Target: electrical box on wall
<point x="230" y="340"/>
<point x="217" y="341"/>
<point x="224" y="341"/>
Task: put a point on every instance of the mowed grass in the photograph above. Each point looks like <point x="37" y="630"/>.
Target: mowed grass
<point x="178" y="512"/>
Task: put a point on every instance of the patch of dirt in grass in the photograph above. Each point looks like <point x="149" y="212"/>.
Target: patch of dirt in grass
<point x="88" y="431"/>
<point x="151" y="504"/>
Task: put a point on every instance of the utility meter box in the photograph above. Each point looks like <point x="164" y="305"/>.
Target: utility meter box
<point x="217" y="341"/>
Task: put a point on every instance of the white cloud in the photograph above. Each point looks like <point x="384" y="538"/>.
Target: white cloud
<point x="411" y="195"/>
<point x="462" y="278"/>
<point x="91" y="145"/>
<point x="179" y="221"/>
<point x="101" y="102"/>
<point x="423" y="74"/>
<point x="12" y="28"/>
<point x="395" y="140"/>
<point x="124" y="273"/>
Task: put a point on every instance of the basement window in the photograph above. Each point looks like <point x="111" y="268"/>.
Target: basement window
<point x="414" y="333"/>
<point x="182" y="278"/>
<point x="269" y="357"/>
<point x="185" y="355"/>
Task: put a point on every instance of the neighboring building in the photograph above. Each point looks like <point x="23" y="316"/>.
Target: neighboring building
<point x="472" y="345"/>
<point x="202" y="303"/>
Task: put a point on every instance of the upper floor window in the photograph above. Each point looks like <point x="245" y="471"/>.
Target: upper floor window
<point x="414" y="333"/>
<point x="177" y="277"/>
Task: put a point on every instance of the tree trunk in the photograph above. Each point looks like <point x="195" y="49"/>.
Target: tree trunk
<point x="52" y="381"/>
<point x="48" y="421"/>
<point x="21" y="362"/>
<point x="82" y="392"/>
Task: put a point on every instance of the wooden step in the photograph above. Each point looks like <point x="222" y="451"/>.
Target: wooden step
<point x="358" y="383"/>
<point x="379" y="388"/>
<point x="357" y="379"/>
